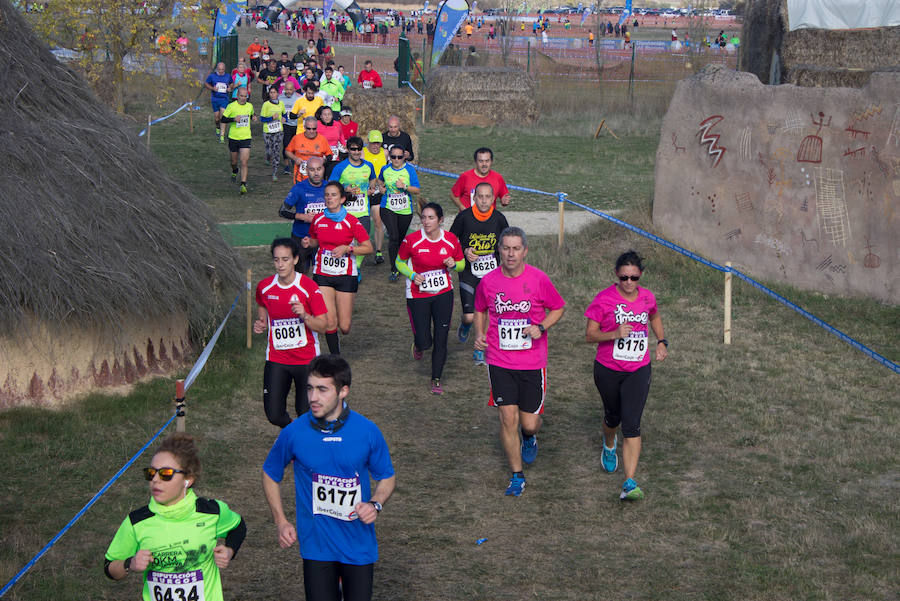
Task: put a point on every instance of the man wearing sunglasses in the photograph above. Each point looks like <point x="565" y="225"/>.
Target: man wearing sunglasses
<point x="334" y="451"/>
<point x="359" y="180"/>
<point x="310" y="144"/>
<point x="515" y="305"/>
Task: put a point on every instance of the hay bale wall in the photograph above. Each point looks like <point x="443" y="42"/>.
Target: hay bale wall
<point x="480" y="96"/>
<point x="371" y="109"/>
<point x="793" y="184"/>
<point x="105" y="259"/>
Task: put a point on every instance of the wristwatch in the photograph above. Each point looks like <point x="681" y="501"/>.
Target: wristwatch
<point x="541" y="328"/>
<point x="377" y="506"/>
<point x="127" y="564"/>
<point x="663" y="341"/>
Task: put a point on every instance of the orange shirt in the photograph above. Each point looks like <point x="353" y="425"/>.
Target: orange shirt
<point x="253" y="50"/>
<point x="303" y="147"/>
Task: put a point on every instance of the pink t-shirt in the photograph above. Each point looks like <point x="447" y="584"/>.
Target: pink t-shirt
<point x="610" y="309"/>
<point x="513" y="304"/>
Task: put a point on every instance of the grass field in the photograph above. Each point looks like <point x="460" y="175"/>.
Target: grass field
<point x="769" y="465"/>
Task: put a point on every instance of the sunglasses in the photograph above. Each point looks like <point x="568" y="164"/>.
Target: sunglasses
<point x="396" y="156"/>
<point x="310" y="128"/>
<point x="625" y="278"/>
<point x="354" y="148"/>
<point x="165" y="473"/>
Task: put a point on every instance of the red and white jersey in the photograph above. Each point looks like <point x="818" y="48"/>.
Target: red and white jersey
<point x="332" y="234"/>
<point x="426" y="257"/>
<point x="291" y="342"/>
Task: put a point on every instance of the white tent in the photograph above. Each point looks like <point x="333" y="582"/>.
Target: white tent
<point x="842" y="14"/>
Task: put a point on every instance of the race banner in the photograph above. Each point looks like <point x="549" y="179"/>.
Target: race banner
<point x="625" y="13"/>
<point x="449" y="18"/>
<point x="227" y="17"/>
<point x="584" y="15"/>
<point x="326" y="9"/>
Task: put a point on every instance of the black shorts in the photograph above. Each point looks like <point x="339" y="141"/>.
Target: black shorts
<point x="526" y="388"/>
<point x="341" y="283"/>
<point x="467" y="286"/>
<point x="235" y="145"/>
<point x="624" y="394"/>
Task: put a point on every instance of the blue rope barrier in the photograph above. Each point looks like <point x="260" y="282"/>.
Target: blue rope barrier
<point x="563" y="197"/>
<point x="161" y="119"/>
<point x="410" y="86"/>
<point x="192" y="375"/>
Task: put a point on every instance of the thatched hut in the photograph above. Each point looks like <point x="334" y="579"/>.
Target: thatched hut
<point x="107" y="263"/>
<point x="480" y="95"/>
<point x="371" y="109"/>
<point x="813" y="57"/>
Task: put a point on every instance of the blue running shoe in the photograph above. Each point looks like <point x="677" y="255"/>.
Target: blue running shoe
<point x="609" y="459"/>
<point x="478" y="358"/>
<point x="463" y="331"/>
<point x="516" y="485"/>
<point x="395" y="275"/>
<point x="631" y="491"/>
<point x="529" y="449"/>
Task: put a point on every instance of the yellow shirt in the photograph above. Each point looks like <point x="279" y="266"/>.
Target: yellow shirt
<point x="306" y="108"/>
<point x="241" y="113"/>
<point x="378" y="160"/>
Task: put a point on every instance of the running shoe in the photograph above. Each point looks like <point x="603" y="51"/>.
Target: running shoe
<point x="516" y="485"/>
<point x="287" y="170"/>
<point x="609" y="459"/>
<point x="243" y="189"/>
<point x="416" y="353"/>
<point x="462" y="332"/>
<point x="233" y="177"/>
<point x="379" y="258"/>
<point x="529" y="449"/>
<point x="395" y="275"/>
<point x="436" y="386"/>
<point x="274" y="177"/>
<point x="221" y="139"/>
<point x="478" y="358"/>
<point x="631" y="491"/>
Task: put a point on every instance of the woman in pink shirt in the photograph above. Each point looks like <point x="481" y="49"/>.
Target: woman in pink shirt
<point x="618" y="320"/>
<point x="334" y="133"/>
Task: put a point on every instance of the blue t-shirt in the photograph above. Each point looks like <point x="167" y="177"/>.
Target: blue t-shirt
<point x="337" y="467"/>
<point x="214" y="79"/>
<point x="301" y="196"/>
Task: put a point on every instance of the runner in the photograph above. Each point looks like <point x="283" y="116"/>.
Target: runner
<point x="292" y="310"/>
<point x="332" y="86"/>
<point x="267" y="77"/>
<point x="397" y="182"/>
<point x="617" y="321"/>
<point x="272" y="117"/>
<point x="478" y="229"/>
<point x="305" y="200"/>
<point x="219" y="83"/>
<point x="369" y="78"/>
<point x="308" y="104"/>
<point x="173" y="542"/>
<point x="463" y="190"/>
<point x="359" y="179"/>
<point x="310" y="144"/>
<point x="335" y="451"/>
<point x="424" y="259"/>
<point x="348" y="125"/>
<point x="241" y="78"/>
<point x="288" y="97"/>
<point x="333" y="132"/>
<point x="334" y="233"/>
<point x="239" y="112"/>
<point x="514" y="307"/>
<point x="394" y="136"/>
<point x="253" y="51"/>
<point x="377" y="155"/>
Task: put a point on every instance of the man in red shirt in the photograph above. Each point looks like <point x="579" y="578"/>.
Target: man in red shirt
<point x="369" y="77"/>
<point x="463" y="190"/>
<point x="348" y="125"/>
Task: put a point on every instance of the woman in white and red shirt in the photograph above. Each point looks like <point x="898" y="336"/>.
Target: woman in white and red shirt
<point x="338" y="236"/>
<point x="618" y="321"/>
<point x="425" y="258"/>
<point x="292" y="309"/>
<point x="334" y="133"/>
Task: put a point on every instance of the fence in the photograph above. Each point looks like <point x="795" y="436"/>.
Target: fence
<point x="178" y="415"/>
<point x="562" y="199"/>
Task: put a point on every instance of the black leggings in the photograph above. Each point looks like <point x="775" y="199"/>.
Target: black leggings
<point x="424" y="311"/>
<point x="321" y="578"/>
<point x="624" y="394"/>
<point x="396" y="228"/>
<point x="277" y="378"/>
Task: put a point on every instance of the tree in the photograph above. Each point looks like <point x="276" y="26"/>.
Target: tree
<point x="118" y="38"/>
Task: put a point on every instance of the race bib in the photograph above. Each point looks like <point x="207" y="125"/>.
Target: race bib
<point x="242" y="121"/>
<point x="483" y="264"/>
<point x="302" y="167"/>
<point x="183" y="586"/>
<point x="273" y="127"/>
<point x="398" y="202"/>
<point x="435" y="281"/>
<point x="633" y="348"/>
<point x="335" y="497"/>
<point x="335" y="151"/>
<point x="221" y="88"/>
<point x="356" y="204"/>
<point x="512" y="334"/>
<point x="315" y="208"/>
<point x="254" y="55"/>
<point x="333" y="265"/>
<point x="288" y="334"/>
<point x="265" y="57"/>
<point x="367" y="84"/>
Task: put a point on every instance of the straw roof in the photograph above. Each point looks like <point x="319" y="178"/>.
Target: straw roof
<point x="94" y="229"/>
